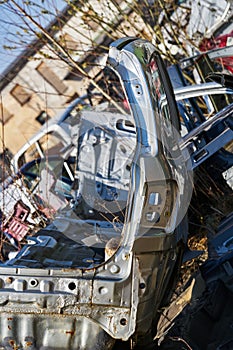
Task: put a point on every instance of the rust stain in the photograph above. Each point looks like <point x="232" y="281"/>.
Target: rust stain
<point x="9" y="327"/>
<point x="29" y="344"/>
<point x="70" y="332"/>
<point x="9" y="280"/>
<point x="13" y="345"/>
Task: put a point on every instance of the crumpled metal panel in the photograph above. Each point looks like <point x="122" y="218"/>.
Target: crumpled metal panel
<point x="51" y="332"/>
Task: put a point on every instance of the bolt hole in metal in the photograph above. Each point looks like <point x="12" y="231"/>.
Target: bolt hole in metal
<point x="103" y="290"/>
<point x="138" y="88"/>
<point x="72" y="286"/>
<point x="9" y="280"/>
<point x="33" y="282"/>
<point x="123" y="322"/>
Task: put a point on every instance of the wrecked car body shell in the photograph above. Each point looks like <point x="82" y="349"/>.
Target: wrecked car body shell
<point x="83" y="282"/>
<point x="207" y="132"/>
<point x="221" y="121"/>
<point x="104" y="266"/>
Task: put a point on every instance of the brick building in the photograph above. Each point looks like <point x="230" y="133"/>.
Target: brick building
<point x="40" y="84"/>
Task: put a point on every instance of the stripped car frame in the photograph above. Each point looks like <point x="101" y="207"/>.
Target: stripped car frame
<point x="96" y="275"/>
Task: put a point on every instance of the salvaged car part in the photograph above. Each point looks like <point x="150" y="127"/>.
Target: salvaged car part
<point x="210" y="136"/>
<point x="205" y="111"/>
<point x="46" y="185"/>
<point x="108" y="261"/>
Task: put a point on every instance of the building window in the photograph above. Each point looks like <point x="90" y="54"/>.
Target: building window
<point x="21" y="94"/>
<point x="69" y="42"/>
<point x="43" y="117"/>
<point x="51" y="78"/>
<point x="88" y="18"/>
<point x="5" y="115"/>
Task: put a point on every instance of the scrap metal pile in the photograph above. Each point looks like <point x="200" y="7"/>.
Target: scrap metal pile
<point x="97" y="221"/>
